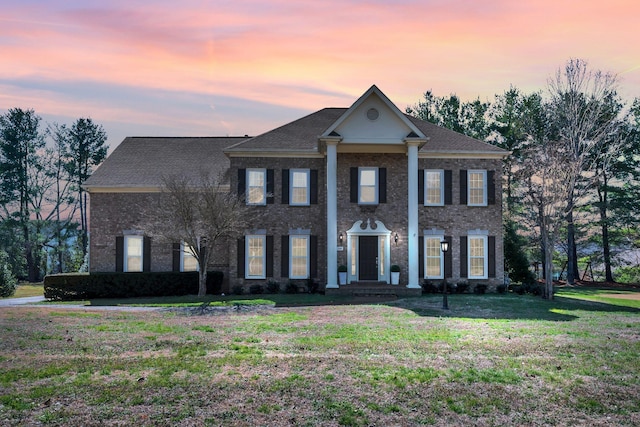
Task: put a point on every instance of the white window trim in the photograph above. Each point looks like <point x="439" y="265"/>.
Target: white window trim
<point x="484" y="187"/>
<point x="376" y="185"/>
<point x="307" y="172"/>
<point x="291" y="238"/>
<point x="426" y="188"/>
<point x="440" y="239"/>
<point x="183" y="254"/>
<point x="485" y="243"/>
<point x="264" y="186"/>
<point x="247" y="260"/>
<point x="126" y="254"/>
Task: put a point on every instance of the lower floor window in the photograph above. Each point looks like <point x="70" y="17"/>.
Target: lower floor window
<point x="477" y="257"/>
<point x="255" y="263"/>
<point x="133" y="253"/>
<point x="434" y="259"/>
<point x="299" y="253"/>
<point x="188" y="260"/>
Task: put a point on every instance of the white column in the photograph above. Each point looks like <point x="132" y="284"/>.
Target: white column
<point x="412" y="216"/>
<point x="332" y="216"/>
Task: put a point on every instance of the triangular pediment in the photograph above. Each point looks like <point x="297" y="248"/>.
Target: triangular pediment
<point x="373" y="120"/>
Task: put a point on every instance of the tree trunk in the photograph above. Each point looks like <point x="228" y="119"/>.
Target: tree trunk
<point x="572" y="265"/>
<point x="548" y="273"/>
<point x="202" y="281"/>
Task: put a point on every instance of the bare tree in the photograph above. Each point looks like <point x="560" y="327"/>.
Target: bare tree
<point x="580" y="108"/>
<point x="200" y="215"/>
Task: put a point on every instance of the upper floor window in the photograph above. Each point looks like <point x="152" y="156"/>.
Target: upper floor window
<point x="299" y="186"/>
<point x="368" y="186"/>
<point x="434" y="258"/>
<point x="256" y="186"/>
<point x="133" y="247"/>
<point x="477" y="188"/>
<point x="478" y="260"/>
<point x="255" y="257"/>
<point x="188" y="261"/>
<point x="434" y="187"/>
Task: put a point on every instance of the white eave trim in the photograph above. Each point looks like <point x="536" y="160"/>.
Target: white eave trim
<point x="141" y="189"/>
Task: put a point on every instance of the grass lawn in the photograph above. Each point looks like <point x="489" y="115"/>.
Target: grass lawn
<point x="29" y="290"/>
<point x="492" y="360"/>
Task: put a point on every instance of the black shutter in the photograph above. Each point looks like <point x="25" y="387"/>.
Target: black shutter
<point x="464" y="272"/>
<point x="242" y="181"/>
<point x="448" y="259"/>
<point x="284" y="256"/>
<point x="313" y="256"/>
<point x="269" y="255"/>
<point x="175" y="256"/>
<point x="421" y="187"/>
<point x="421" y="257"/>
<point x="354" y="185"/>
<point x="491" y="188"/>
<point x="285" y="186"/>
<point x="270" y="186"/>
<point x="119" y="254"/>
<point x="146" y="253"/>
<point x="241" y="258"/>
<point x="463" y="187"/>
<point x="382" y="185"/>
<point x="313" y="186"/>
<point x="491" y="249"/>
<point x="448" y="186"/>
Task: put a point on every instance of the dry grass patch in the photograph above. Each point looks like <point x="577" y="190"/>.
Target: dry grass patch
<point x="490" y="360"/>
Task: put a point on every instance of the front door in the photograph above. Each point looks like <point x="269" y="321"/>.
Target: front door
<point x="368" y="258"/>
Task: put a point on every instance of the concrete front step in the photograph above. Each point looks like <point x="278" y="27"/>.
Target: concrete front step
<point x="373" y="289"/>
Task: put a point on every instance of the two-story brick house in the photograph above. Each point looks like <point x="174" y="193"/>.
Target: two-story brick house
<point x="366" y="187"/>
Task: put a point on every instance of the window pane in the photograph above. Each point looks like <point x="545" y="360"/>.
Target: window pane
<point x="433" y="257"/>
<point x="299" y="187"/>
<point x="255" y="184"/>
<point x="476" y="188"/>
<point x="434" y="187"/>
<point x="477" y="257"/>
<point x="368" y="177"/>
<point x="477" y="267"/>
<point x="367" y="194"/>
<point x="255" y="256"/>
<point x="299" y="179"/>
<point x="133" y="253"/>
<point x="299" y="257"/>
<point x="189" y="262"/>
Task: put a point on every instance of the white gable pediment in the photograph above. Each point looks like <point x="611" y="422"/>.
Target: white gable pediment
<point x="373" y="119"/>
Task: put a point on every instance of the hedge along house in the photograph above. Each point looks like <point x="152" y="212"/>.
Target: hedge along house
<point x="366" y="187"/>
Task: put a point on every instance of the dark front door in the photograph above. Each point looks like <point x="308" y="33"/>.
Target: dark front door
<point x="368" y="258"/>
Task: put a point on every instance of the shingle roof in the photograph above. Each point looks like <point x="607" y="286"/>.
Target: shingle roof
<point x="443" y="140"/>
<point x="144" y="161"/>
<point x="302" y="135"/>
<point x="299" y="135"/>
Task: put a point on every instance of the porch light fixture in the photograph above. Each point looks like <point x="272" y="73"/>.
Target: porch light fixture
<point x="341" y="237"/>
<point x="444" y="247"/>
<point x="395" y="238"/>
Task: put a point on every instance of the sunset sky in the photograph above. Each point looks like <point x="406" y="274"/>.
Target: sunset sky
<point x="225" y="67"/>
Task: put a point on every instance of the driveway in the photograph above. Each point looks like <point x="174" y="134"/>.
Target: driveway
<point x="13" y="302"/>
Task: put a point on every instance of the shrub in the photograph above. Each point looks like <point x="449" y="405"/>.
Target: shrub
<point x="342" y="269"/>
<point x="480" y="288"/>
<point x="237" y="290"/>
<point x="313" y="286"/>
<point x="80" y="286"/>
<point x="394" y="268"/>
<point x="462" y="287"/>
<point x="291" y="288"/>
<point x="256" y="289"/>
<point x="273" y="287"/>
<point x="502" y="288"/>
<point x="428" y="287"/>
<point x="8" y="282"/>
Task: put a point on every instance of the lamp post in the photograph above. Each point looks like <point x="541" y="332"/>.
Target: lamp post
<point x="444" y="247"/>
